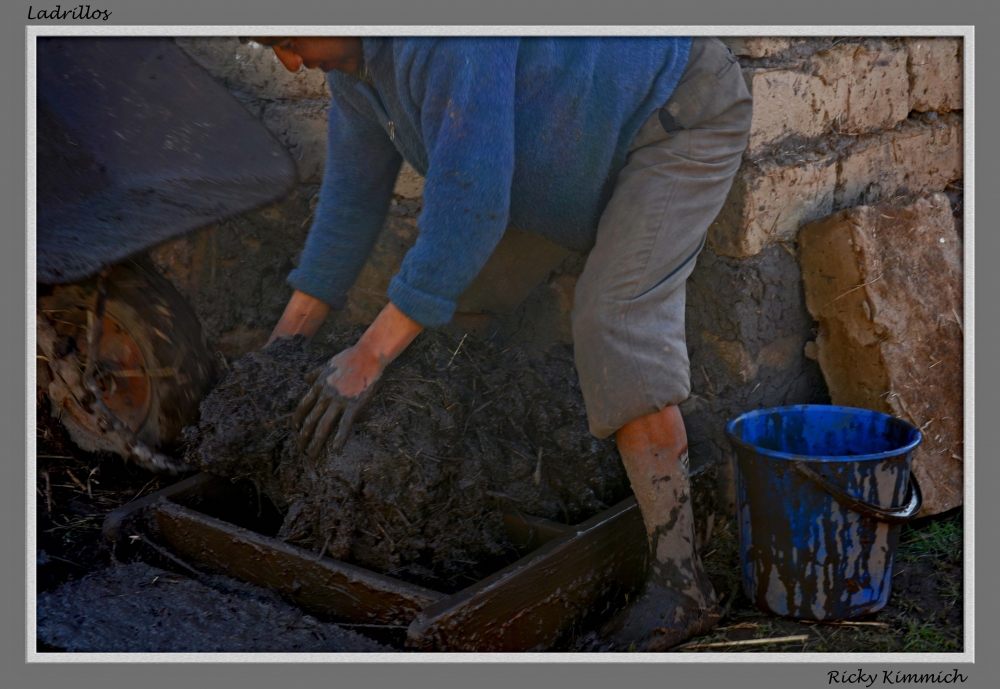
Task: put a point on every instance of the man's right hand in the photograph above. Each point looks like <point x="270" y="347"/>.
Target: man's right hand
<point x="303" y="316"/>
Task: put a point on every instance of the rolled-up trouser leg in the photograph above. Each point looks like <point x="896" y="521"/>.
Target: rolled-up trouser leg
<point x="628" y="314"/>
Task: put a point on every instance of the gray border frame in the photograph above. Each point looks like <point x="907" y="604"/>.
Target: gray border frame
<point x="440" y="14"/>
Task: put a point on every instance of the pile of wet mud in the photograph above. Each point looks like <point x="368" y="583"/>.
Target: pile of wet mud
<point x="459" y="431"/>
<point x="137" y="608"/>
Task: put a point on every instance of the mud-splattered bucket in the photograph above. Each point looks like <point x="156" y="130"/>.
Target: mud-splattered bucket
<point x="821" y="492"/>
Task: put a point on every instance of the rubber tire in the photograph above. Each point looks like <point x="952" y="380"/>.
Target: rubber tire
<point x="163" y="324"/>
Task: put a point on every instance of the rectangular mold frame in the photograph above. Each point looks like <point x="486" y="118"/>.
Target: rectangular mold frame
<point x="525" y="606"/>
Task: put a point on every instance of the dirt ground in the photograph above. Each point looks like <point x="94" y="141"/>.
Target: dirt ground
<point x="139" y="608"/>
<point x="88" y="601"/>
<point x="924" y="613"/>
<point x="460" y="430"/>
<point x="75" y="490"/>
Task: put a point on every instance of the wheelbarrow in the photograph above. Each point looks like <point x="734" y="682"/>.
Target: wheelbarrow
<point x="136" y="145"/>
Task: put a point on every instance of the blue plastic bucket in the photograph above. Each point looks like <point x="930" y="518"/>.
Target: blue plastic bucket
<point x="821" y="492"/>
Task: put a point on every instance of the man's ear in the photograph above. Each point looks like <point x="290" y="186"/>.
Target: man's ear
<point x="291" y="60"/>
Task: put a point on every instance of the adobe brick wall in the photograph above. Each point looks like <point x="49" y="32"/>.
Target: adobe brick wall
<point x="837" y="123"/>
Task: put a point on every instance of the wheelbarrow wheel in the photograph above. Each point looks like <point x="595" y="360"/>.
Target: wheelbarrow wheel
<point x="155" y="363"/>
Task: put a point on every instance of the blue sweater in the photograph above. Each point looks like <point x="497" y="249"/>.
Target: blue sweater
<point x="529" y="132"/>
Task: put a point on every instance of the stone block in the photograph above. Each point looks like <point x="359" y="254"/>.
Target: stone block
<point x="885" y="284"/>
<point x="920" y="157"/>
<point x="769" y="202"/>
<point x="790" y="102"/>
<point x="935" y="67"/>
<point x="302" y="127"/>
<point x="252" y="70"/>
<point x="756" y="46"/>
<point x="409" y="183"/>
<point x="876" y="80"/>
<point x="733" y="354"/>
<point x="778" y="355"/>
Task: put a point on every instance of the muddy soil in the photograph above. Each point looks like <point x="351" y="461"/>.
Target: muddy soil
<point x="924" y="613"/>
<point x="139" y="608"/>
<point x="460" y="430"/>
<point x="89" y="601"/>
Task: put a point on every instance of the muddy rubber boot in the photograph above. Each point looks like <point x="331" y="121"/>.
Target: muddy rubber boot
<point x="678" y="600"/>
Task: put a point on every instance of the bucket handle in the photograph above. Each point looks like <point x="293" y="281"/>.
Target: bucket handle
<point x="891" y="515"/>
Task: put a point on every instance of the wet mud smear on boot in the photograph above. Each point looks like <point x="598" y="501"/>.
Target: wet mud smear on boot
<point x="138" y="608"/>
<point x="450" y="441"/>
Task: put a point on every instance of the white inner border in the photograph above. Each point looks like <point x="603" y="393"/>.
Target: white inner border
<point x="966" y="32"/>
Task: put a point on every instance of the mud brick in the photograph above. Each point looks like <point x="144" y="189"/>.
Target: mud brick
<point x="935" y="67"/>
<point x="790" y="102"/>
<point x="769" y="202"/>
<point x="885" y="284"/>
<point x="920" y="157"/>
<point x="756" y="46"/>
<point x="876" y="80"/>
<point x="301" y="127"/>
<point x="252" y="70"/>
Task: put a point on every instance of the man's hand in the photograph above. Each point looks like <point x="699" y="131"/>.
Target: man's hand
<point x="339" y="390"/>
<point x="303" y="316"/>
<point x="342" y="388"/>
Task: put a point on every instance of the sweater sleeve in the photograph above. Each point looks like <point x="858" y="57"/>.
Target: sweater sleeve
<point x="466" y="91"/>
<point x="361" y="169"/>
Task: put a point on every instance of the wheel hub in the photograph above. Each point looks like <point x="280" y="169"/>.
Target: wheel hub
<point x="121" y="374"/>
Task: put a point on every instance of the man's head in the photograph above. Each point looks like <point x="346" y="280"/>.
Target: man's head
<point x="325" y="52"/>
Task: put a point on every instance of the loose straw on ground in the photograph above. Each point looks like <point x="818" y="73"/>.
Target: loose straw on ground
<point x="747" y="642"/>
<point x="455" y="353"/>
<point x="850" y="623"/>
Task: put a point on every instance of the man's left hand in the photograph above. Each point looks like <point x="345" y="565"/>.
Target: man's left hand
<point x="342" y="388"/>
<point x="339" y="391"/>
